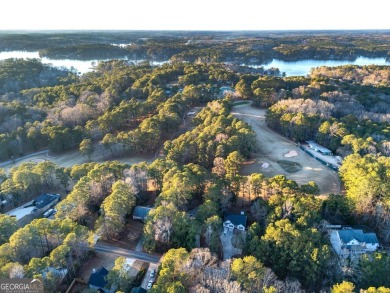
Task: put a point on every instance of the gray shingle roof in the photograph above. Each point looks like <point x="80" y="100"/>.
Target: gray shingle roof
<point x="350" y="234"/>
<point x="141" y="212"/>
<point x="319" y="147"/>
<point x="44" y="199"/>
<point x="235" y="219"/>
<point x="98" y="278"/>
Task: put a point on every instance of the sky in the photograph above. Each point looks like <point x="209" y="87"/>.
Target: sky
<point x="194" y="15"/>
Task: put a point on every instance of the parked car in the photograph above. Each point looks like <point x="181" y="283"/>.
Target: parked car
<point x="150" y="284"/>
<point x="49" y="213"/>
<point x="152" y="273"/>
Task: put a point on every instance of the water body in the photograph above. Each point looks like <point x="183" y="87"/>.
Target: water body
<point x="303" y="67"/>
<point x="81" y="66"/>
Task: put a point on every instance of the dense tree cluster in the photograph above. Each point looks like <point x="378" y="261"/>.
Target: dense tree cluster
<point x="240" y="47"/>
<point x="122" y="108"/>
<point x="217" y="134"/>
<point x="44" y="248"/>
<point x="19" y="74"/>
<point x="30" y="178"/>
<point x="341" y="116"/>
<point x="201" y="271"/>
<point x="128" y="107"/>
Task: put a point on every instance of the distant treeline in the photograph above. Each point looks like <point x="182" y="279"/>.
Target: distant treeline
<point x="247" y="47"/>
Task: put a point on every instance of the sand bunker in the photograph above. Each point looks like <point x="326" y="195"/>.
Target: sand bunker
<point x="291" y="154"/>
<point x="265" y="165"/>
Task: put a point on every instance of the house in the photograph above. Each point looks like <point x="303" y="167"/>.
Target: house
<point x="35" y="208"/>
<point x="140" y="213"/>
<point x="192" y="213"/>
<point x="98" y="280"/>
<point x="45" y="202"/>
<point x="353" y="242"/>
<point x="58" y="272"/>
<point x="319" y="148"/>
<point x="235" y="221"/>
<point x="224" y="90"/>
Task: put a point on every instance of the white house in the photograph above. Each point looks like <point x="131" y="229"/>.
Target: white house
<point x="353" y="242"/>
<point x="319" y="148"/>
<point x="234" y="221"/>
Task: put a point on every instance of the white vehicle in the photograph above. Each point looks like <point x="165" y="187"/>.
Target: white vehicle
<point x="150" y="284"/>
<point x="49" y="213"/>
<point x="152" y="273"/>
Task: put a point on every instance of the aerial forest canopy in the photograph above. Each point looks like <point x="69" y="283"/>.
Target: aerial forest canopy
<point x="241" y="47"/>
<point x="181" y="119"/>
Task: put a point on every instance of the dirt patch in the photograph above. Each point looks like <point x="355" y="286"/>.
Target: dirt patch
<point x="272" y="147"/>
<point x="96" y="262"/>
<point x="131" y="235"/>
<point x="289" y="166"/>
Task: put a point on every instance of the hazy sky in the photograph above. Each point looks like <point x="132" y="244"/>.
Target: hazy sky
<point x="194" y="15"/>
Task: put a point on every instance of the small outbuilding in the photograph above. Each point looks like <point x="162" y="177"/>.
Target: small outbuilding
<point x="319" y="148"/>
<point x="140" y="213"/>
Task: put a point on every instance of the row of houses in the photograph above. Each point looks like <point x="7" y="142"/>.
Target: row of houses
<point x="231" y="221"/>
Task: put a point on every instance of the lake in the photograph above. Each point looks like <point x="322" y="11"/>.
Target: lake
<point x="81" y="66"/>
<point x="301" y="67"/>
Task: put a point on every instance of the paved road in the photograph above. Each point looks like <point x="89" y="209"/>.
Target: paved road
<point x="127" y="253"/>
<point x="44" y="152"/>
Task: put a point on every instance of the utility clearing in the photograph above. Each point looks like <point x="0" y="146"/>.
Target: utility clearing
<point x="278" y="155"/>
<point x="74" y="157"/>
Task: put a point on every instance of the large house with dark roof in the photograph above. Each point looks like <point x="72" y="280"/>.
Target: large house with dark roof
<point x="98" y="280"/>
<point x="353" y="242"/>
<point x="35" y="208"/>
<point x="46" y="201"/>
<point x="235" y="221"/>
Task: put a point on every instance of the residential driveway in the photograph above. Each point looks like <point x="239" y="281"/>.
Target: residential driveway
<point x="147" y="277"/>
<point x="228" y="249"/>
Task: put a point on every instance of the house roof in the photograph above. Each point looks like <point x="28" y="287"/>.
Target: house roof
<point x="44" y="199"/>
<point x="97" y="278"/>
<point x="350" y="234"/>
<point x="141" y="212"/>
<point x="319" y="147"/>
<point x="236" y="219"/>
